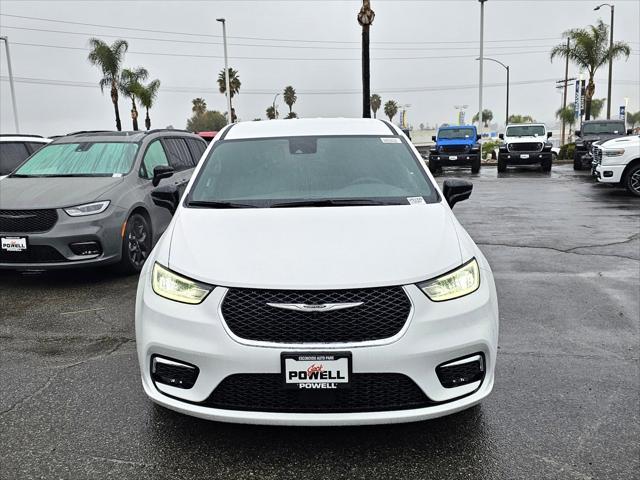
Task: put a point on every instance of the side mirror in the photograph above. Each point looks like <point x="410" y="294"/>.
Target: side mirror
<point x="577" y="133"/>
<point x="478" y="137"/>
<point x="160" y="172"/>
<point x="501" y="136"/>
<point x="433" y="137"/>
<point x="630" y="131"/>
<point x="456" y="191"/>
<point x="167" y="197"/>
<point x="548" y="134"/>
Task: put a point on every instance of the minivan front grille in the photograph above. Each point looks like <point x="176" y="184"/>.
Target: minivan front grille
<point x="375" y="314"/>
<point x="525" y="147"/>
<point x="27" y="221"/>
<point x="367" y="392"/>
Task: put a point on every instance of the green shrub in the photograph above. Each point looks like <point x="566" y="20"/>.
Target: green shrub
<point x="566" y="151"/>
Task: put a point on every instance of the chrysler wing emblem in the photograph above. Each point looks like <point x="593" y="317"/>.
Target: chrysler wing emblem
<point x="322" y="307"/>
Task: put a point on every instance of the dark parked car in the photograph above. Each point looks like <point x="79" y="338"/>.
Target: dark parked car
<point x="15" y="148"/>
<point x="85" y="199"/>
<point x="593" y="131"/>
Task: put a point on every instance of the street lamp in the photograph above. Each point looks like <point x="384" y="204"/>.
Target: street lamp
<point x="507" y="68"/>
<point x="481" y="62"/>
<point x="365" y="19"/>
<point x="13" y="91"/>
<point x="226" y="68"/>
<point x="610" y="58"/>
<point x="275" y="112"/>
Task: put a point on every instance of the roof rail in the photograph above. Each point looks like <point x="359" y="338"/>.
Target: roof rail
<point x="81" y="132"/>
<point x="156" y="130"/>
<point x="19" y="135"/>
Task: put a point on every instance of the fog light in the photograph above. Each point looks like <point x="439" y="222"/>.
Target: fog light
<point x="461" y="372"/>
<point x="172" y="372"/>
<point x="608" y="173"/>
<point x="86" y="248"/>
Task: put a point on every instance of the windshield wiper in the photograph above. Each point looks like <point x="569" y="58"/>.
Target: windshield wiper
<point x="216" y="204"/>
<point x="332" y="202"/>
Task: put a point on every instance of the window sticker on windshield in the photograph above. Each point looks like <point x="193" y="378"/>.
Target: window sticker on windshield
<point x="416" y="201"/>
<point x="390" y="140"/>
<point x="116" y="175"/>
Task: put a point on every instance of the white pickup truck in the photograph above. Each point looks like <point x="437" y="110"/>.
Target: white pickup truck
<point x="617" y="161"/>
<point x="525" y="144"/>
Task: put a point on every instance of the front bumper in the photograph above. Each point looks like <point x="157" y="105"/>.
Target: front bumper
<point x="104" y="228"/>
<point x="609" y="173"/>
<point x="435" y="333"/>
<point x="464" y="159"/>
<point x="525" y="158"/>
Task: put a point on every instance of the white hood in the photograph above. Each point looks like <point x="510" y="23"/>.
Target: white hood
<point x="314" y="248"/>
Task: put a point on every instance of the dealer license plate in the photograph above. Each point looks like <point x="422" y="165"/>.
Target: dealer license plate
<point x="524" y="155"/>
<point x="321" y="371"/>
<point x="13" y="244"/>
<point x="453" y="157"/>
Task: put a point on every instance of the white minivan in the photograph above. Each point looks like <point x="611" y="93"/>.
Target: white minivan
<point x="314" y="274"/>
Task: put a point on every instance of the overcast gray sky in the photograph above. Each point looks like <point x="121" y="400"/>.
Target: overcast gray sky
<point x="423" y="54"/>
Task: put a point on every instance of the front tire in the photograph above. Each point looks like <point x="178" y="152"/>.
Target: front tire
<point x="632" y="180"/>
<point x="502" y="165"/>
<point x="546" y="165"/>
<point x="136" y="244"/>
<point x="433" y="166"/>
<point x="577" y="164"/>
<point x="475" y="165"/>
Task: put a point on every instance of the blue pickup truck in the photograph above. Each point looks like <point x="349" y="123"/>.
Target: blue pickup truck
<point x="456" y="146"/>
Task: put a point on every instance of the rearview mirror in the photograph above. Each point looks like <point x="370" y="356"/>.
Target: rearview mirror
<point x="433" y="137"/>
<point x="167" y="197"/>
<point x="577" y="133"/>
<point x="160" y="172"/>
<point x="501" y="136"/>
<point x="548" y="134"/>
<point x="456" y="191"/>
<point x="478" y="137"/>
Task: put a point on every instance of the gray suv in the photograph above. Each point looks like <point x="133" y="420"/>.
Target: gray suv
<point x="85" y="199"/>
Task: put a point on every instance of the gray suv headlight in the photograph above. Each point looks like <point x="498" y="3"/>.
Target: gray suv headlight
<point x="87" y="209"/>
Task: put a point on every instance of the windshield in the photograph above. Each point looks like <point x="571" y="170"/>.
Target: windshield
<point x="603" y="127"/>
<point x="451" y="133"/>
<point x="311" y="171"/>
<point x="86" y="159"/>
<point x="526" y="131"/>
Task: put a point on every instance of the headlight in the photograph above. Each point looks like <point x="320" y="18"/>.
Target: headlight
<point x="87" y="209"/>
<point x="460" y="282"/>
<point x="613" y="153"/>
<point x="175" y="287"/>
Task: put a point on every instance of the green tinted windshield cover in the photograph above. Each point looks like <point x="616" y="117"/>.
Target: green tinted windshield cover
<point x="84" y="159"/>
<point x="263" y="171"/>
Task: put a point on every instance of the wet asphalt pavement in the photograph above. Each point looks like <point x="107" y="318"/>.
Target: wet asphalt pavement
<point x="566" y="257"/>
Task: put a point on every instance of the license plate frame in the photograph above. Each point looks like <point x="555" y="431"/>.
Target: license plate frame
<point x="336" y="378"/>
<point x="4" y="243"/>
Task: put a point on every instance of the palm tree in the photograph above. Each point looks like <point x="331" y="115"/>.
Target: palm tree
<point x="147" y="95"/>
<point x="567" y="116"/>
<point x="291" y="115"/>
<point x="199" y="106"/>
<point x="633" y="119"/>
<point x="234" y="86"/>
<point x="390" y="109"/>
<point x="290" y="98"/>
<point x="109" y="59"/>
<point x="589" y="50"/>
<point x="129" y="85"/>
<point x="520" y="119"/>
<point x="375" y="101"/>
<point x="596" y="106"/>
<point x="487" y="116"/>
<point x="272" y="113"/>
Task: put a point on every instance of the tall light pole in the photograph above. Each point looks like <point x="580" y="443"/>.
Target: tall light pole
<point x="226" y="68"/>
<point x="610" y="58"/>
<point x="365" y="19"/>
<point x="481" y="62"/>
<point x="275" y="112"/>
<point x="506" y="117"/>
<point x="13" y="90"/>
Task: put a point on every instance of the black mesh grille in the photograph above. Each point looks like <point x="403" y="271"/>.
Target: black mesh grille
<point x="525" y="147"/>
<point x="27" y="221"/>
<point x="382" y="314"/>
<point x="33" y="254"/>
<point x="453" y="148"/>
<point x="368" y="392"/>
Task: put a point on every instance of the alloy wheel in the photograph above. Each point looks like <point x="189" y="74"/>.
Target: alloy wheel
<point x="138" y="242"/>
